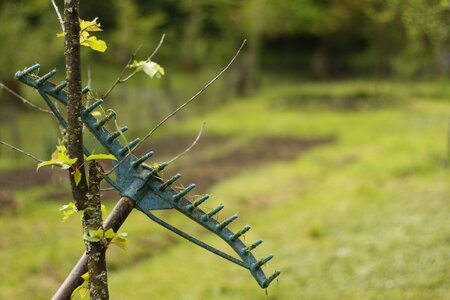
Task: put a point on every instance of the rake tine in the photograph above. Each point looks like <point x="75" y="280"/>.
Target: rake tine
<point x="252" y="246"/>
<point x="267" y="282"/>
<point x="59" y="87"/>
<point x="130" y="146"/>
<point x="105" y="119"/>
<point x="191" y="207"/>
<point x="142" y="159"/>
<point x="227" y="222"/>
<point x="241" y="232"/>
<point x="211" y="213"/>
<point x="169" y="182"/>
<point x="19" y="74"/>
<point x="116" y="134"/>
<point x="161" y="167"/>
<point x="93" y="106"/>
<point x="262" y="262"/>
<point x="46" y="77"/>
<point x="183" y="193"/>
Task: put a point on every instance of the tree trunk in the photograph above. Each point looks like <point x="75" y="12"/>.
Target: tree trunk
<point x="73" y="76"/>
<point x="92" y="218"/>
<point x="95" y="250"/>
<point x="115" y="220"/>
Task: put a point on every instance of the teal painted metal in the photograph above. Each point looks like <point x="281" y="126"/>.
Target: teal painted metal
<point x="140" y="182"/>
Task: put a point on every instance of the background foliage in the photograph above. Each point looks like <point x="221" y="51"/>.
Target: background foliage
<point x="330" y="133"/>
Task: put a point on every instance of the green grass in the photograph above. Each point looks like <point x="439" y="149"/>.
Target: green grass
<point x="364" y="218"/>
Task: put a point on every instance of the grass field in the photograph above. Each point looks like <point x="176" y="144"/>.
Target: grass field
<point x="365" y="216"/>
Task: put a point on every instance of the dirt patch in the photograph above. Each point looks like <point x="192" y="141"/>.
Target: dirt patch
<point x="24" y="178"/>
<point x="200" y="168"/>
<point x="205" y="172"/>
<point x="351" y="102"/>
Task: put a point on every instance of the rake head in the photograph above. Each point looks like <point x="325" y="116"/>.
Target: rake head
<point x="140" y="182"/>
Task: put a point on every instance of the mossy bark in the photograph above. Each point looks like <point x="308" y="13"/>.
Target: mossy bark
<point x="73" y="76"/>
<point x="92" y="220"/>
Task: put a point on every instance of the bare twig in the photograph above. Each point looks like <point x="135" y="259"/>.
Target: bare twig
<point x="21" y="151"/>
<point x="191" y="146"/>
<point x="60" y="19"/>
<point x="89" y="82"/>
<point x="122" y="80"/>
<point x="193" y="97"/>
<point x="161" y="41"/>
<point x="105" y="95"/>
<point x="179" y="108"/>
<point x="107" y="189"/>
<point x="25" y="101"/>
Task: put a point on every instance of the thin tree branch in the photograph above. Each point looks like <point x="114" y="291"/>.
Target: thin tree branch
<point x="179" y="108"/>
<point x="60" y="19"/>
<point x="128" y="77"/>
<point x="89" y="82"/>
<point x="105" y="95"/>
<point x="193" y="97"/>
<point x="122" y="80"/>
<point x="25" y="101"/>
<point x="161" y="41"/>
<point x="21" y="151"/>
<point x="115" y="219"/>
<point x="190" y="147"/>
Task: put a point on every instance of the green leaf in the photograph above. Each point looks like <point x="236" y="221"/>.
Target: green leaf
<point x="121" y="241"/>
<point x="95" y="44"/>
<point x="109" y="234"/>
<point x="96" y="114"/>
<point x="78" y="289"/>
<point x="77" y="176"/>
<point x="90" y="25"/>
<point x="61" y="34"/>
<point x="83" y="292"/>
<point x="68" y="210"/>
<point x="69" y="206"/>
<point x="153" y="69"/>
<point x="60" y="158"/>
<point x="85" y="276"/>
<point x="95" y="235"/>
<point x="100" y="156"/>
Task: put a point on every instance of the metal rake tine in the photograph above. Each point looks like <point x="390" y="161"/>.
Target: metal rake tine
<point x="212" y="213"/>
<point x="252" y="246"/>
<point x="93" y="106"/>
<point x="59" y="87"/>
<point x="105" y="119"/>
<point x="142" y="159"/>
<point x="227" y="222"/>
<point x="169" y="182"/>
<point x="20" y="74"/>
<point x="183" y="193"/>
<point x="130" y="146"/>
<point x="190" y="207"/>
<point x="267" y="282"/>
<point x="262" y="262"/>
<point x="46" y="77"/>
<point x="116" y="134"/>
<point x="241" y="232"/>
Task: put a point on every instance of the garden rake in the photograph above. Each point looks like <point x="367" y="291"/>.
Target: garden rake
<point x="141" y="183"/>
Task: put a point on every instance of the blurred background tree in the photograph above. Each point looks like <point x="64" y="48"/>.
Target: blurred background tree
<point x="319" y="39"/>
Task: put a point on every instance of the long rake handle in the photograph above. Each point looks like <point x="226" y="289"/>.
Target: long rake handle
<point x="115" y="220"/>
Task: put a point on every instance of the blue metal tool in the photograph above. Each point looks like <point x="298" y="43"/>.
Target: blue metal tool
<point x="140" y="182"/>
